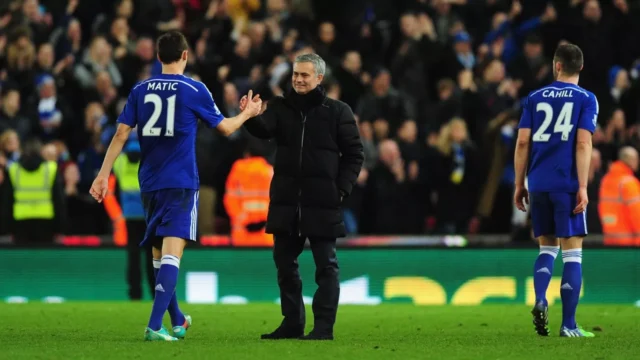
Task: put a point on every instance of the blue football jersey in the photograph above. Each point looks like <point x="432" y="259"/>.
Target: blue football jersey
<point x="554" y="114"/>
<point x="165" y="109"/>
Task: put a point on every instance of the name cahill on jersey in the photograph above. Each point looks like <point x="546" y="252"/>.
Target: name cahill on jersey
<point x="557" y="93"/>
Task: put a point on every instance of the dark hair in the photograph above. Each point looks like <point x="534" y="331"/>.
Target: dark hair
<point x="170" y="46"/>
<point x="570" y="56"/>
<point x="533" y="39"/>
<point x="31" y="147"/>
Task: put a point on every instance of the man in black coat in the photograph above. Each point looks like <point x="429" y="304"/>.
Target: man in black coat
<point x="318" y="159"/>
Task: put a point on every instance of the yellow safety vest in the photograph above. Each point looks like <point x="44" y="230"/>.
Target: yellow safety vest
<point x="32" y="191"/>
<point x="127" y="173"/>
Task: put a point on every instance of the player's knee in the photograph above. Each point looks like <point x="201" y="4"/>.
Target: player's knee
<point x="157" y="253"/>
<point x="173" y="246"/>
<point x="574" y="242"/>
<point x="548" y="240"/>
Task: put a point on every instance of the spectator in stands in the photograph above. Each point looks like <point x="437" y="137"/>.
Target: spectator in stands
<point x="619" y="206"/>
<point x="456" y="179"/>
<point x="97" y="58"/>
<point x="448" y="106"/>
<point x="263" y="47"/>
<point x="368" y="141"/>
<point x="494" y="210"/>
<point x="120" y="38"/>
<point x="52" y="110"/>
<point x="38" y="21"/>
<point x="387" y="198"/>
<point x="10" y="116"/>
<point x="384" y="106"/>
<point x="32" y="198"/>
<point x="531" y="67"/>
<point x="67" y="40"/>
<point x="352" y="79"/>
<point x="620" y="94"/>
<point x="409" y="65"/>
<point x="247" y="199"/>
<point x="49" y="152"/>
<point x="10" y="146"/>
<point x="328" y="46"/>
<point x="21" y="57"/>
<point x="240" y="12"/>
<point x="593" y="188"/>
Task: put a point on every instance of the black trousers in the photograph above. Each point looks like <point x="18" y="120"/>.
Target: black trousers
<point x="36" y="231"/>
<point x="135" y="234"/>
<point x="286" y="250"/>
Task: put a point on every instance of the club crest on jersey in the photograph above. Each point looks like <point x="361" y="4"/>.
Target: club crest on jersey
<point x="557" y="93"/>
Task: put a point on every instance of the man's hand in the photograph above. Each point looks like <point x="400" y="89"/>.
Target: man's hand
<point x="99" y="188"/>
<point x="581" y="201"/>
<point x="253" y="107"/>
<point x="255" y="102"/>
<point x="521" y="197"/>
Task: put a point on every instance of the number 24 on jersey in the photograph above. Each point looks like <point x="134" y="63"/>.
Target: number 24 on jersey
<point x="562" y="123"/>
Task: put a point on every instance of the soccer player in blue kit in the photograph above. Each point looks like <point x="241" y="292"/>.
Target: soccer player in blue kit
<point x="554" y="150"/>
<point x="165" y="109"/>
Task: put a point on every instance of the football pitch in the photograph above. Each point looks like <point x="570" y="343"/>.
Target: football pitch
<point x="396" y="331"/>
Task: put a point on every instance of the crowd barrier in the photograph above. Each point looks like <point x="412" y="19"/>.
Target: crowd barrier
<point x="369" y="276"/>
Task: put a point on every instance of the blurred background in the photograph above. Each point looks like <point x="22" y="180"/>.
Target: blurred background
<point x="436" y="86"/>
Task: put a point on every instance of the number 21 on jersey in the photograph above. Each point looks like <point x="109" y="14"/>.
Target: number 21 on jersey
<point x="562" y="123"/>
<point x="156" y="100"/>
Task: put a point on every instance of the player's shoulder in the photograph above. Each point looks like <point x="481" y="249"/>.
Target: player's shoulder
<point x="560" y="90"/>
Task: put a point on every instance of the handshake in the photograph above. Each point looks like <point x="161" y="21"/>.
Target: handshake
<point x="252" y="105"/>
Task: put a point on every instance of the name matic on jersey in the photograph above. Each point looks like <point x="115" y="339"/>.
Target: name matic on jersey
<point x="557" y="93"/>
<point x="162" y="86"/>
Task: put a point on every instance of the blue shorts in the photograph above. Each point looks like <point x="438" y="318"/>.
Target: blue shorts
<point x="552" y="214"/>
<point x="170" y="212"/>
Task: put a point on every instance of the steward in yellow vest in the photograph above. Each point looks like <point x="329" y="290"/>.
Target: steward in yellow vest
<point x="124" y="206"/>
<point x="33" y="197"/>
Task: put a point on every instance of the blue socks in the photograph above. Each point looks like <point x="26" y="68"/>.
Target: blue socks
<point x="156" y="267"/>
<point x="177" y="317"/>
<point x="571" y="284"/>
<point x="166" y="280"/>
<point x="542" y="271"/>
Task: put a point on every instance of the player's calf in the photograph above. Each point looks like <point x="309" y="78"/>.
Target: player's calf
<point x="543" y="268"/>
<point x="166" y="280"/>
<point x="571" y="280"/>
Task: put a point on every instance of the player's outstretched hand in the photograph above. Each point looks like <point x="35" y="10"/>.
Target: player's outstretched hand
<point x="99" y="188"/>
<point x="245" y="100"/>
<point x="581" y="201"/>
<point x="254" y="106"/>
<point x="521" y="197"/>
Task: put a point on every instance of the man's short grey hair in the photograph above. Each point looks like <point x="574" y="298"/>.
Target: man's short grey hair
<point x="318" y="64"/>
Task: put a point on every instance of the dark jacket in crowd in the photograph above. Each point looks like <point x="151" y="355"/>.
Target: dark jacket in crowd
<point x="318" y="159"/>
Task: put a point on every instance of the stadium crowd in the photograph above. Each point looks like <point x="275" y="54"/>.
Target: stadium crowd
<point x="436" y="86"/>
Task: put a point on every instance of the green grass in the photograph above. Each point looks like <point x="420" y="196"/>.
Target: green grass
<point x="115" y="331"/>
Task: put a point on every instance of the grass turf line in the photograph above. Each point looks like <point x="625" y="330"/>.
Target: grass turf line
<point x="115" y="331"/>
